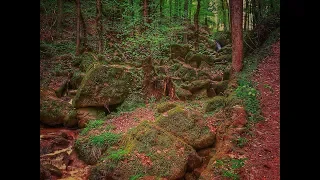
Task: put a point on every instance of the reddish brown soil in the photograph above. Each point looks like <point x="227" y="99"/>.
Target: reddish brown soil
<point x="263" y="149"/>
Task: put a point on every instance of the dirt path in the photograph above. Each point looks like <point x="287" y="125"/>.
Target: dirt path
<point x="263" y="149"/>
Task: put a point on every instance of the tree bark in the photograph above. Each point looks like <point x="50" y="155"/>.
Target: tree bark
<point x="186" y="2"/>
<point x="99" y="26"/>
<point x="84" y="29"/>
<point x="78" y="27"/>
<point x="145" y="11"/>
<point x="224" y="14"/>
<point x="246" y="16"/>
<point x="236" y="9"/>
<point x="59" y="18"/>
<point x="196" y="24"/>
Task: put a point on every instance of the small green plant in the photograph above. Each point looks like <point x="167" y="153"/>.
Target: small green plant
<point x="241" y="141"/>
<point x="137" y="176"/>
<point x="152" y="99"/>
<point x="117" y="155"/>
<point x="91" y="125"/>
<point x="267" y="86"/>
<point x="107" y="138"/>
<point x="228" y="167"/>
<point x="248" y="94"/>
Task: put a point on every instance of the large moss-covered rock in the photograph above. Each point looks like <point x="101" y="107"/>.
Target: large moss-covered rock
<point x="198" y="59"/>
<point x="54" y="111"/>
<point x="215" y="103"/>
<point x="146" y="150"/>
<point x="189" y="126"/>
<point x="179" y="51"/>
<point x="186" y="73"/>
<point x="106" y="85"/>
<point x="85" y="115"/>
<point x="183" y="94"/>
<point x="165" y="106"/>
<point x="196" y="85"/>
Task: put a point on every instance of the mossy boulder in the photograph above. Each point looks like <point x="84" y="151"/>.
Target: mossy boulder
<point x="187" y="125"/>
<point x="196" y="85"/>
<point x="165" y="106"/>
<point x="198" y="59"/>
<point x="94" y="141"/>
<point x="201" y="94"/>
<point x="186" y="73"/>
<point x="84" y="115"/>
<point x="179" y="51"/>
<point x="54" y="111"/>
<point x="221" y="87"/>
<point x="147" y="150"/>
<point x="76" y="80"/>
<point x="106" y="85"/>
<point x="215" y="103"/>
<point x="183" y="94"/>
<point x="223" y="58"/>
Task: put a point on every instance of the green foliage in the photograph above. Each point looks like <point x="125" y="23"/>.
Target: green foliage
<point x="241" y="141"/>
<point x="132" y="102"/>
<point x="104" y="138"/>
<point x="229" y="167"/>
<point x="249" y="95"/>
<point x="92" y="125"/>
<point x="137" y="176"/>
<point x="117" y="155"/>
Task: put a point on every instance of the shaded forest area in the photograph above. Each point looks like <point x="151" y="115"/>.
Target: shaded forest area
<point x="162" y="89"/>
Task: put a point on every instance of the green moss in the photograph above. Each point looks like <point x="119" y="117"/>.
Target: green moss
<point x="183" y="94"/>
<point x="55" y="112"/>
<point x="148" y="150"/>
<point x="133" y="101"/>
<point x="221" y="87"/>
<point x="215" y="103"/>
<point x="103" y="139"/>
<point x="92" y="125"/>
<point x="165" y="106"/>
<point x="71" y="119"/>
<point x="187" y="125"/>
<point x="106" y="85"/>
<point x="196" y="85"/>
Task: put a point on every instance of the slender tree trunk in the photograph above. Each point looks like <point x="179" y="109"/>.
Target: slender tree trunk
<point x="272" y="6"/>
<point x="196" y="23"/>
<point x="99" y="26"/>
<point x="186" y="2"/>
<point x="145" y="11"/>
<point x="84" y="29"/>
<point x="78" y="27"/>
<point x="236" y="9"/>
<point x="190" y="8"/>
<point x="224" y="15"/>
<point x="246" y="16"/>
<point x="228" y="16"/>
<point x="161" y="10"/>
<point x="132" y="9"/>
<point x="170" y="7"/>
<point x="59" y="18"/>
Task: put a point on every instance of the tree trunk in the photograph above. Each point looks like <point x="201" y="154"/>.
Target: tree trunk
<point x="170" y="7"/>
<point x="246" y="16"/>
<point x="59" y="18"/>
<point x="196" y="24"/>
<point x="132" y="10"/>
<point x="99" y="26"/>
<point x="236" y="9"/>
<point x="186" y="2"/>
<point x="190" y="8"/>
<point x="78" y="27"/>
<point x="228" y="16"/>
<point x="224" y="14"/>
<point x="145" y="11"/>
<point x="84" y="30"/>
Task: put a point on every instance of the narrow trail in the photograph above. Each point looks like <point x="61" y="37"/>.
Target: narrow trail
<point x="263" y="149"/>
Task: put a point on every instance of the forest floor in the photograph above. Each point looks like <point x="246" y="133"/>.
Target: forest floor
<point x="263" y="149"/>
